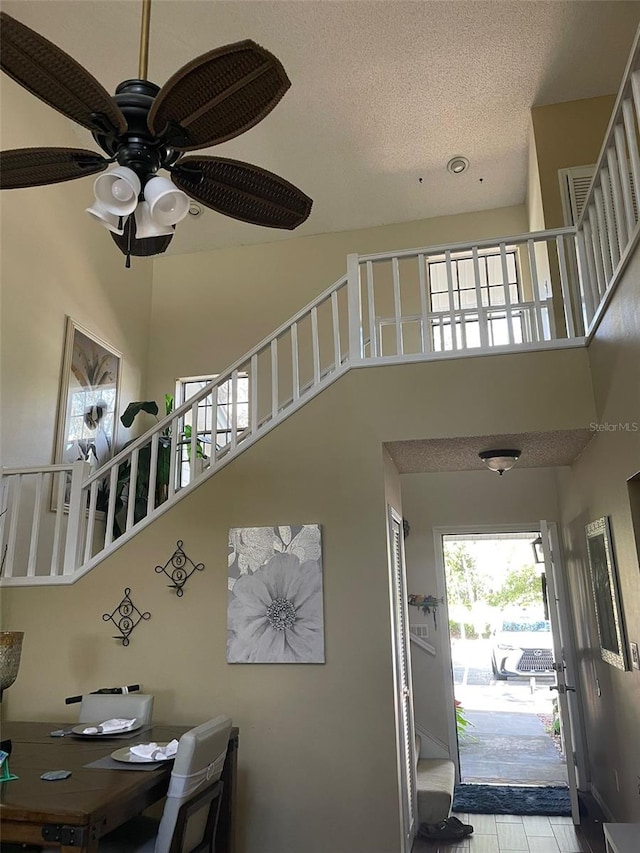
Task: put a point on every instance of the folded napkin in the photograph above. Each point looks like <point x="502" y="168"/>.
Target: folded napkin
<point x="154" y="752"/>
<point x="115" y="725"/>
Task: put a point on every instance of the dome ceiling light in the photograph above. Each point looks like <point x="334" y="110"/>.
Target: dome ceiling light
<point x="500" y="460"/>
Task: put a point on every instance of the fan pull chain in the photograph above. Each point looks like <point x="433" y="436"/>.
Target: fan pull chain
<point x="127" y="263"/>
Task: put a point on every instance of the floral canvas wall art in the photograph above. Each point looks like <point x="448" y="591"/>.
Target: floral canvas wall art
<point x="88" y="404"/>
<point x="275" y="611"/>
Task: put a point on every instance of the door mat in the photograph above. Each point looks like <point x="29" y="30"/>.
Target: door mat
<point x="512" y="799"/>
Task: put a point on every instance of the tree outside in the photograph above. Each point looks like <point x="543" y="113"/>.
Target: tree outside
<point x="487" y="576"/>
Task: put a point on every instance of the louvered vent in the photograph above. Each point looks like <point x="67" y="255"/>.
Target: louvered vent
<point x="574" y="186"/>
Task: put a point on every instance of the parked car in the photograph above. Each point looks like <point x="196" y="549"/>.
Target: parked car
<point x="522" y="646"/>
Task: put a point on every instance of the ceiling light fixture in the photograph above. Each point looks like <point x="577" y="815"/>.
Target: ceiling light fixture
<point x="457" y="165"/>
<point x="500" y="460"/>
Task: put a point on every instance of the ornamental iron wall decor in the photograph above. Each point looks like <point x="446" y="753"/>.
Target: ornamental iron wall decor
<point x="179" y="573"/>
<point x="125" y="617"/>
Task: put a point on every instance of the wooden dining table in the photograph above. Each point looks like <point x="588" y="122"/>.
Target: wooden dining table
<point x="74" y="813"/>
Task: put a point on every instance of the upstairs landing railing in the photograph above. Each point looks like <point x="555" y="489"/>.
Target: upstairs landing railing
<point x="608" y="229"/>
<point x="491" y="296"/>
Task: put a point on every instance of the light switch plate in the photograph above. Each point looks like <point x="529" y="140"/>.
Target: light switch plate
<point x="635" y="657"/>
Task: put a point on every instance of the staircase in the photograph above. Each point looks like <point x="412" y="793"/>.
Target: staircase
<point x="543" y="290"/>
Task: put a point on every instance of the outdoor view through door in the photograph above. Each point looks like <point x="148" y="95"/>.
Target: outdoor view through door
<point x="502" y="657"/>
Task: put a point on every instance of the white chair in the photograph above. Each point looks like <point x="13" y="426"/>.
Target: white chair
<point x="97" y="707"/>
<point x="191" y="810"/>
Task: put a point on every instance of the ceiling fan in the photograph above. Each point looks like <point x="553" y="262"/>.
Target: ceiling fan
<point x="145" y="128"/>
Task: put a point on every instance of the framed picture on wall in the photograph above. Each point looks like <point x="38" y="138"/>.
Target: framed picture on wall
<point x="606" y="594"/>
<point x="88" y="404"/>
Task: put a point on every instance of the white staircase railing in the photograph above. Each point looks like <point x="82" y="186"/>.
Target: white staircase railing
<point x="461" y="299"/>
<point x="609" y="228"/>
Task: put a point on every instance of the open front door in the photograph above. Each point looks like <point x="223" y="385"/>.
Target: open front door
<point x="562" y="646"/>
<point x="402" y="673"/>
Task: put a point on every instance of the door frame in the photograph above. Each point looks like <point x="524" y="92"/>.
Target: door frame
<point x="441" y="587"/>
<point x="403" y="695"/>
<point x="562" y="627"/>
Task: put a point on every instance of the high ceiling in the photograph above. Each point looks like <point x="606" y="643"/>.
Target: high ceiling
<point x="384" y="93"/>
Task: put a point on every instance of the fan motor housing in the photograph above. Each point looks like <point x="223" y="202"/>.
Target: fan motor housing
<point x="137" y="148"/>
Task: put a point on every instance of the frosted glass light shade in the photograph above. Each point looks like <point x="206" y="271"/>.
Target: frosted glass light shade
<point x="500" y="460"/>
<point x="117" y="190"/>
<point x="146" y="226"/>
<point x="167" y="204"/>
<point x="110" y="220"/>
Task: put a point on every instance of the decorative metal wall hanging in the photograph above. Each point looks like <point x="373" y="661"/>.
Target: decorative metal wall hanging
<point x="428" y="604"/>
<point x="125" y="617"/>
<point x="179" y="572"/>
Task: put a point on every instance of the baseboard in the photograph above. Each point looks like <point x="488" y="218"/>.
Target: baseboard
<point x="606" y="811"/>
<point x="432" y="746"/>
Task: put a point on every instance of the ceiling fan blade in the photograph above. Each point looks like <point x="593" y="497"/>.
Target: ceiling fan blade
<point x="218" y="96"/>
<point x="33" y="167"/>
<point x="242" y="191"/>
<point x="128" y="244"/>
<point x="53" y="76"/>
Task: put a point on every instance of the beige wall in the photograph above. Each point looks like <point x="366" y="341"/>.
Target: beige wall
<point x="56" y="261"/>
<point x="212" y="307"/>
<point x="567" y="134"/>
<point x="535" y="213"/>
<point x="595" y="487"/>
<point x="456" y="499"/>
<point x="314" y="740"/>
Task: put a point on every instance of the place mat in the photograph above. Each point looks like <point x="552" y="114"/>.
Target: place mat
<point x="109" y="738"/>
<point x="108" y="763"/>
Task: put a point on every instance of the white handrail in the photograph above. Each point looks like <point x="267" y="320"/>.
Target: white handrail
<point x="294" y="363"/>
<point x="609" y="226"/>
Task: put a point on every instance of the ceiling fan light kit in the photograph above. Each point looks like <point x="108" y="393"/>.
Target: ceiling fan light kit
<point x="144" y="128"/>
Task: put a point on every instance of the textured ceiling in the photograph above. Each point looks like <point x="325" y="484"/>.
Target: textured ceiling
<point x="383" y="94"/>
<point x="539" y="450"/>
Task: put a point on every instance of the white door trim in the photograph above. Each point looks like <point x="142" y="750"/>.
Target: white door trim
<point x="403" y="695"/>
<point x="441" y="592"/>
<point x="561" y="626"/>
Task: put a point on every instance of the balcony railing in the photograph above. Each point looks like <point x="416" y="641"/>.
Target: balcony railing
<point x="491" y="296"/>
<point x="608" y="228"/>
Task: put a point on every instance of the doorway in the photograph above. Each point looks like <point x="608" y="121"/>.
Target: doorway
<point x="507" y="720"/>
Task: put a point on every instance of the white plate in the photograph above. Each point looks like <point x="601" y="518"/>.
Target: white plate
<point x="124" y="754"/>
<point x="79" y="730"/>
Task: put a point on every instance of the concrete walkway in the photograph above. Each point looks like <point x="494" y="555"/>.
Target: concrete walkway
<point x="508" y="749"/>
<point x="508" y="743"/>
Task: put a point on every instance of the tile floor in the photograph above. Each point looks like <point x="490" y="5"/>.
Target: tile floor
<point x="515" y="834"/>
